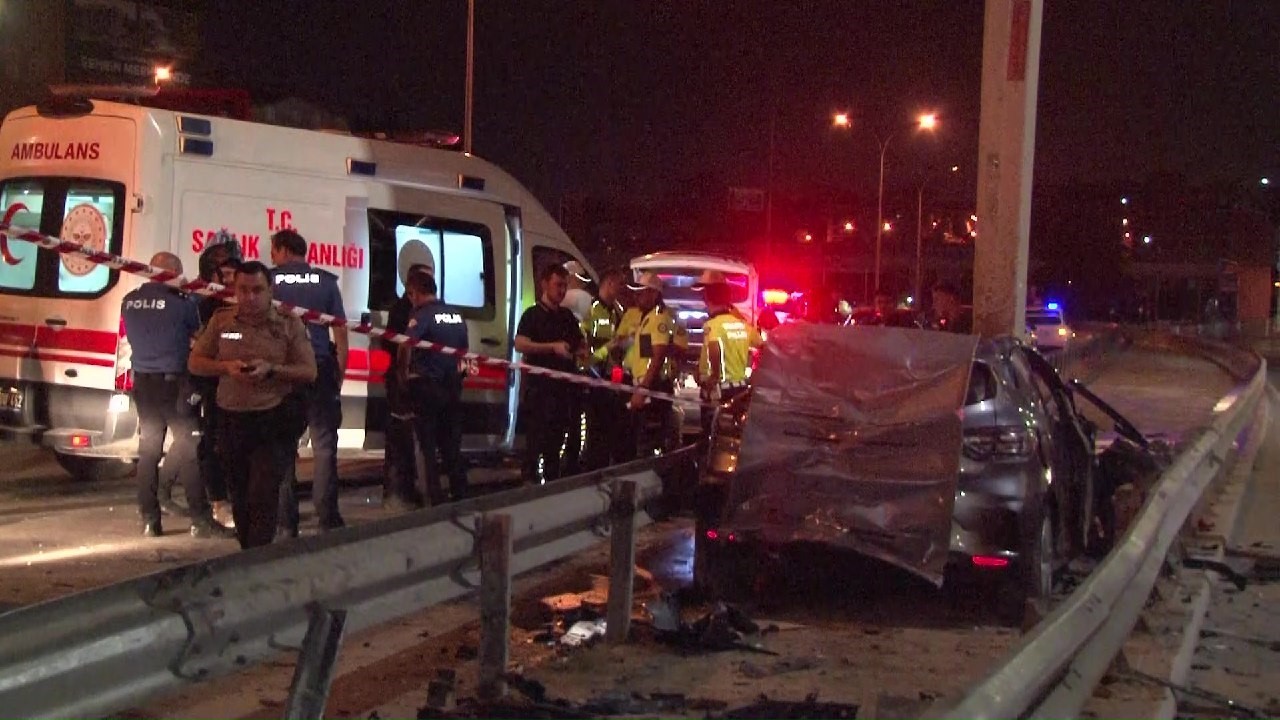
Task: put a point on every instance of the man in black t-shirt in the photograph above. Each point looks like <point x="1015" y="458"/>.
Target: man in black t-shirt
<point x="548" y="336"/>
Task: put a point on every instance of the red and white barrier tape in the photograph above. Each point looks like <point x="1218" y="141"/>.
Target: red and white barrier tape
<point x="210" y="289"/>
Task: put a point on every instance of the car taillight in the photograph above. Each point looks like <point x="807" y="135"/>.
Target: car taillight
<point x="990" y="561"/>
<point x="989" y="442"/>
<point x="124" y="361"/>
<point x="720" y="535"/>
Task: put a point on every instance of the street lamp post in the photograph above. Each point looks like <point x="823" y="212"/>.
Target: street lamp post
<point x="928" y="121"/>
<point x="884" y="147"/>
<point x="920" y="234"/>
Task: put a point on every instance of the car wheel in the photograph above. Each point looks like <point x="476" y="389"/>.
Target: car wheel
<point x="1031" y="587"/>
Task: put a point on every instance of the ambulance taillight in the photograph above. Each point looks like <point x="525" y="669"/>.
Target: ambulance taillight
<point x="124" y="361"/>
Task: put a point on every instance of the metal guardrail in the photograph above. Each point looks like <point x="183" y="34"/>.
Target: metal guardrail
<point x="1052" y="672"/>
<point x="109" y="649"/>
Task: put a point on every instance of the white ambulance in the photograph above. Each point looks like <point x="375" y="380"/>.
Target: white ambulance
<point x="136" y="180"/>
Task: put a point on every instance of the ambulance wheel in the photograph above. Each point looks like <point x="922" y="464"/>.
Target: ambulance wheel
<point x="93" y="470"/>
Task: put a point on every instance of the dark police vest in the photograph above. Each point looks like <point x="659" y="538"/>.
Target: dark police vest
<point x="437" y="322"/>
<point x="297" y="283"/>
<point x="159" y="322"/>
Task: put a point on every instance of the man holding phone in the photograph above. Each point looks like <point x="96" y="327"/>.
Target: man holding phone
<point x="260" y="358"/>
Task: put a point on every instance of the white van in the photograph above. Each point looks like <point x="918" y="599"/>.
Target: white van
<point x="136" y="180"/>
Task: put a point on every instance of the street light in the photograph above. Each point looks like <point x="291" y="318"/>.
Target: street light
<point x="926" y="121"/>
<point x="920" y="231"/>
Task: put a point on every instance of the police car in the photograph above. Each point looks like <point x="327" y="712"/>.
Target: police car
<point x="1047" y="327"/>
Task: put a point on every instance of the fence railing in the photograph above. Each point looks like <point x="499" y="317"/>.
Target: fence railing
<point x="106" y="650"/>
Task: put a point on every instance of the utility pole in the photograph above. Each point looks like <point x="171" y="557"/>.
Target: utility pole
<point x="768" y="209"/>
<point x="471" y="62"/>
<point x="1006" y="150"/>
<point x="884" y="147"/>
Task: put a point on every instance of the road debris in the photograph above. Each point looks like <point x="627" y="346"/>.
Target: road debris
<point x="757" y="672"/>
<point x="532" y="701"/>
<point x="1234" y="708"/>
<point x="764" y="708"/>
<point x="584" y="632"/>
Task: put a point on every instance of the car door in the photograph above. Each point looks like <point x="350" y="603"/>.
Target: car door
<point x="1073" y="451"/>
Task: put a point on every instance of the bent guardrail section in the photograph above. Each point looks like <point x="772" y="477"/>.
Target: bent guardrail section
<point x="109" y="649"/>
<point x="1052" y="672"/>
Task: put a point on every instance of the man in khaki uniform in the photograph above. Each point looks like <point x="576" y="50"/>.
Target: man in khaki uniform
<point x="261" y="358"/>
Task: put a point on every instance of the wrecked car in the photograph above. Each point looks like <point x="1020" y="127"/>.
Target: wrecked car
<point x="949" y="456"/>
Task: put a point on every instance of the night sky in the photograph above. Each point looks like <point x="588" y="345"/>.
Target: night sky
<point x="638" y="97"/>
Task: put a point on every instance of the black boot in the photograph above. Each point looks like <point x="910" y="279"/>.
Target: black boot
<point x="207" y="528"/>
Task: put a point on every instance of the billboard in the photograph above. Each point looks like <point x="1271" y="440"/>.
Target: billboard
<point x="123" y="41"/>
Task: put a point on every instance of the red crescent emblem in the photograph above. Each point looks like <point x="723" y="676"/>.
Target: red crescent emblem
<point x="4" y="239"/>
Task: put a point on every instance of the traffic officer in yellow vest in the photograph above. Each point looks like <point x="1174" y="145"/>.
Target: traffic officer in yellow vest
<point x="607" y="417"/>
<point x="727" y="340"/>
<point x="648" y="363"/>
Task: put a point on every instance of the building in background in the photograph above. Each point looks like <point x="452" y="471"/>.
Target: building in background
<point x="92" y="42"/>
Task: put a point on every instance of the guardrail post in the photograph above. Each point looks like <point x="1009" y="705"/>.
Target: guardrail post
<point x="314" y="673"/>
<point x="622" y="561"/>
<point x="495" y="604"/>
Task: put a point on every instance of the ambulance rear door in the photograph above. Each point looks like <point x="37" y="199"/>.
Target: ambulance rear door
<point x="467" y="242"/>
<point x="68" y="176"/>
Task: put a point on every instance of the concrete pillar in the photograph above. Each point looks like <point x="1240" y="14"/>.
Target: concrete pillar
<point x="1006" y="150"/>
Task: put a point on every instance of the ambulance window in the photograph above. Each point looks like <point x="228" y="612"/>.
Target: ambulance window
<point x="87" y="220"/>
<point x="460" y="253"/>
<point x="420" y="244"/>
<point x="21" y="276"/>
<point x="89" y="212"/>
<point x="463" y="269"/>
<point x="545" y="256"/>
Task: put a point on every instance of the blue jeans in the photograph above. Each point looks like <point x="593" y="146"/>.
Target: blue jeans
<point x="324" y="415"/>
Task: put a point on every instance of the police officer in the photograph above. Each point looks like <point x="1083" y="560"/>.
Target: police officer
<point x="727" y="340"/>
<point x="261" y="358"/>
<point x="434" y="381"/>
<point x="298" y="283"/>
<point x="606" y="409"/>
<point x="654" y="343"/>
<point x="160" y="323"/>
<point x="399" y="460"/>
<point x="548" y="336"/>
